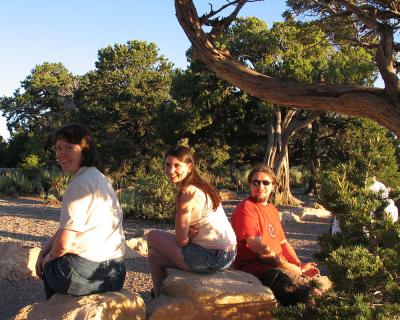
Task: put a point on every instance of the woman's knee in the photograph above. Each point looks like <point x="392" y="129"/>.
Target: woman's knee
<point x="155" y="237"/>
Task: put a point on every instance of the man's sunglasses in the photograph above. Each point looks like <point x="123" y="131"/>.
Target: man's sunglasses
<point x="257" y="183"/>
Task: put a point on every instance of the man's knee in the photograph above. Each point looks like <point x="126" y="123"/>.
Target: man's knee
<point x="152" y="254"/>
<point x="288" y="288"/>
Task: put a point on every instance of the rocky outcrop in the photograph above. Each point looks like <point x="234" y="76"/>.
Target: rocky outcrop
<point x="122" y="305"/>
<point x="323" y="283"/>
<point x="229" y="294"/>
<point x="17" y="262"/>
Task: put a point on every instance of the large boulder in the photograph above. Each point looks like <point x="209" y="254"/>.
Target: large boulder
<point x="17" y="262"/>
<point x="122" y="305"/>
<point x="229" y="294"/>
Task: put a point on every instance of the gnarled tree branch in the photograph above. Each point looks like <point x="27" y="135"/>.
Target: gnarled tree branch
<point x="353" y="100"/>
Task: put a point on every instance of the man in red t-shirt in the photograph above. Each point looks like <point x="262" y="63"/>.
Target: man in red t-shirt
<point x="262" y="248"/>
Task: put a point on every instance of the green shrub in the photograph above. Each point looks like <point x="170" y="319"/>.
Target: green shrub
<point x="16" y="182"/>
<point x="54" y="183"/>
<point x="151" y="197"/>
<point x="239" y="177"/>
<point x="295" y="176"/>
<point x="362" y="260"/>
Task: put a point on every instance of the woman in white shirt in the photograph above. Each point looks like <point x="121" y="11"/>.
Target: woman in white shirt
<point x="204" y="240"/>
<point x="85" y="254"/>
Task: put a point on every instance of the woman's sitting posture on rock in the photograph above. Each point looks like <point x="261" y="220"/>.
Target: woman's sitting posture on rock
<point x="204" y="240"/>
<point x="85" y="254"/>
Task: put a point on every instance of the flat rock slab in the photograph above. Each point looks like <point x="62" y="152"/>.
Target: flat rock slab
<point x="122" y="305"/>
<point x="229" y="294"/>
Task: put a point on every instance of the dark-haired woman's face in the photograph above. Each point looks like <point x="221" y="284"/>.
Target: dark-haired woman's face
<point x="176" y="170"/>
<point x="69" y="156"/>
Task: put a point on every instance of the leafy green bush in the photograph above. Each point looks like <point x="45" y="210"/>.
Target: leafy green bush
<point x="151" y="197"/>
<point x="239" y="177"/>
<point x="54" y="183"/>
<point x="295" y="176"/>
<point x="16" y="182"/>
<point x="362" y="260"/>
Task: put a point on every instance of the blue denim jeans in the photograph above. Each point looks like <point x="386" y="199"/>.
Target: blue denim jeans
<point x="203" y="260"/>
<point x="77" y="276"/>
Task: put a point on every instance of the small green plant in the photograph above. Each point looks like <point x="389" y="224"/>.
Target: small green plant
<point x="296" y="176"/>
<point x="151" y="197"/>
<point x="15" y="183"/>
<point x="54" y="184"/>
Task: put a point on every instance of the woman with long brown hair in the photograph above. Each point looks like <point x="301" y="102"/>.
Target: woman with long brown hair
<point x="204" y="241"/>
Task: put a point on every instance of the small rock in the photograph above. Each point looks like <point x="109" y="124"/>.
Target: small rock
<point x="310" y="213"/>
<point x="138" y="244"/>
<point x="289" y="217"/>
<point x="226" y="194"/>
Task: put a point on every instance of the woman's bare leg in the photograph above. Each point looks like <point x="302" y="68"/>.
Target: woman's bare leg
<point x="163" y="253"/>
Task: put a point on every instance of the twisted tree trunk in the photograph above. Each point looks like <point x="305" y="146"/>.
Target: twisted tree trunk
<point x="277" y="155"/>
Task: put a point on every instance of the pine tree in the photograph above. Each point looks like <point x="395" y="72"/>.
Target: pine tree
<point x="362" y="260"/>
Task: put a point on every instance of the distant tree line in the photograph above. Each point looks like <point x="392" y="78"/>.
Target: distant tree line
<point x="138" y="105"/>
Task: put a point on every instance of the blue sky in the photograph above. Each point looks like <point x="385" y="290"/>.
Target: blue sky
<point x="72" y="31"/>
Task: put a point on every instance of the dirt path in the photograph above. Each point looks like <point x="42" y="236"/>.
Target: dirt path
<point x="29" y="221"/>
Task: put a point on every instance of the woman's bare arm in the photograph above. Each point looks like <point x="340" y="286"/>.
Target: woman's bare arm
<point x="185" y="205"/>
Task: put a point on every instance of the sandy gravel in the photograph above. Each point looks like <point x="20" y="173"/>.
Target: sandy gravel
<point x="29" y="221"/>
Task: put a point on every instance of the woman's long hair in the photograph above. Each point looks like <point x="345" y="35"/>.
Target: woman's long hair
<point x="184" y="154"/>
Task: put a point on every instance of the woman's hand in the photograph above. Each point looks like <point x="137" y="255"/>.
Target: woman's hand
<point x="310" y="269"/>
<point x="193" y="231"/>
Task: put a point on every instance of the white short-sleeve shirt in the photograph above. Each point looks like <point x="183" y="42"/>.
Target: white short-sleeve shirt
<point x="91" y="208"/>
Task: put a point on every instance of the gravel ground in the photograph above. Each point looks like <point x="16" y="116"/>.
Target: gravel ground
<point x="30" y="222"/>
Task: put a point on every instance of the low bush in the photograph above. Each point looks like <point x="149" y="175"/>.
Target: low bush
<point x="362" y="260"/>
<point x="295" y="176"/>
<point x="151" y="197"/>
<point x="54" y="183"/>
<point x="16" y="183"/>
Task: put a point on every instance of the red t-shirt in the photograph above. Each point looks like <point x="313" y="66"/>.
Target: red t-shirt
<point x="252" y="219"/>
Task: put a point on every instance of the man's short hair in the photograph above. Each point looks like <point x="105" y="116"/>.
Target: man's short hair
<point x="261" y="167"/>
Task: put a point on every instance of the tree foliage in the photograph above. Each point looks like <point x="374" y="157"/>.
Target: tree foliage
<point x="44" y="101"/>
<point x="362" y="259"/>
<point x="120" y="99"/>
<point x="204" y="32"/>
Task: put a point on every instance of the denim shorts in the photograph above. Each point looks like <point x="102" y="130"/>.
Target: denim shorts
<point x="75" y="275"/>
<point x="203" y="260"/>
